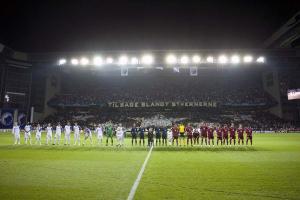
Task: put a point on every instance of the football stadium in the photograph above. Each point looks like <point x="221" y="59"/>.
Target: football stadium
<point x="151" y="123"/>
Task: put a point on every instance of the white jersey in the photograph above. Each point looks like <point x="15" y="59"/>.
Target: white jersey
<point x="16" y="130"/>
<point x="76" y="129"/>
<point x="38" y="131"/>
<point x="58" y="130"/>
<point x="27" y="128"/>
<point x="49" y="130"/>
<point x="99" y="131"/>
<point x="120" y="132"/>
<point x="67" y="129"/>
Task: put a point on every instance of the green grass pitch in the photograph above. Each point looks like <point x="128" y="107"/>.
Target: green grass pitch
<point x="268" y="170"/>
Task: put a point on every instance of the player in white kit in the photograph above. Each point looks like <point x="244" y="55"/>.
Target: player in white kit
<point x="49" y="134"/>
<point x="27" y="130"/>
<point x="67" y="133"/>
<point x="76" y="129"/>
<point x="99" y="133"/>
<point x="38" y="135"/>
<point x="87" y="135"/>
<point x="16" y="133"/>
<point x="120" y="135"/>
<point x="57" y="134"/>
<point x="170" y="136"/>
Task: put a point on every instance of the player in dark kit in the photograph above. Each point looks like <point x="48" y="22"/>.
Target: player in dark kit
<point x="175" y="134"/>
<point x="196" y="135"/>
<point x="134" y="132"/>
<point x="219" y="135"/>
<point x="240" y="132"/>
<point x="157" y="136"/>
<point x="150" y="136"/>
<point x="203" y="130"/>
<point x="189" y="133"/>
<point x="164" y="131"/>
<point x="225" y="134"/>
<point x="142" y="136"/>
<point x="210" y="135"/>
<point x="249" y="135"/>
<point x="232" y="134"/>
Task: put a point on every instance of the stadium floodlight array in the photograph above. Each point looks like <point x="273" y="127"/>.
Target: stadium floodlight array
<point x="170" y="60"/>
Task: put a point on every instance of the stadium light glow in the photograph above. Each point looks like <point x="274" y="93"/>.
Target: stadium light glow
<point x="196" y="59"/>
<point x="123" y="60"/>
<point x="109" y="60"/>
<point x="223" y="59"/>
<point x="260" y="59"/>
<point x="248" y="59"/>
<point x="210" y="59"/>
<point x="134" y="61"/>
<point x="235" y="59"/>
<point x="147" y="59"/>
<point x="84" y="61"/>
<point x="171" y="59"/>
<point x="62" y="61"/>
<point x="74" y="61"/>
<point x="98" y="61"/>
<point x="184" y="60"/>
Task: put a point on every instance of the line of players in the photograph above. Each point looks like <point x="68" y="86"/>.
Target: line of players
<point x="187" y="135"/>
<point x="176" y="135"/>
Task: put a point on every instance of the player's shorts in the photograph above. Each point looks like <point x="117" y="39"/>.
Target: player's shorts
<point x="38" y="136"/>
<point x="142" y="136"/>
<point x="232" y="137"/>
<point x="164" y="136"/>
<point x="49" y="135"/>
<point x="181" y="135"/>
<point x="133" y="135"/>
<point x="100" y="136"/>
<point x="219" y="138"/>
<point x="27" y="135"/>
<point x="225" y="137"/>
<point x="120" y="138"/>
<point x="211" y="137"/>
<point x="109" y="135"/>
<point x="249" y="137"/>
<point x="196" y="135"/>
<point x="17" y="136"/>
<point x="189" y="136"/>
<point x="241" y="137"/>
<point x="175" y="137"/>
<point x="204" y="135"/>
<point x="158" y="136"/>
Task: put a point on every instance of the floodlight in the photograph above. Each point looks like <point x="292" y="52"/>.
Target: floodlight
<point x="123" y="60"/>
<point x="62" y="61"/>
<point x="248" y="59"/>
<point x="134" y="61"/>
<point x="260" y="59"/>
<point x="223" y="59"/>
<point x="98" y="61"/>
<point x="171" y="59"/>
<point x="109" y="60"/>
<point x="74" y="61"/>
<point x="235" y="59"/>
<point x="210" y="59"/>
<point x="196" y="59"/>
<point x="84" y="61"/>
<point x="184" y="60"/>
<point x="147" y="59"/>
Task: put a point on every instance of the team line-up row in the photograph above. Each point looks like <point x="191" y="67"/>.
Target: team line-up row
<point x="175" y="135"/>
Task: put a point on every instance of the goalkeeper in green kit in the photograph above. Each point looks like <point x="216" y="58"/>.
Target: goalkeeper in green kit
<point x="109" y="133"/>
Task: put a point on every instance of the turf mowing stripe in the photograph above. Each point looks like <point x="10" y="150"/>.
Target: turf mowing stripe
<point x="139" y="177"/>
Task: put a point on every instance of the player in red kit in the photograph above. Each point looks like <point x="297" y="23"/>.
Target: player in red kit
<point x="203" y="130"/>
<point x="175" y="133"/>
<point x="196" y="135"/>
<point x="240" y="132"/>
<point x="232" y="134"/>
<point x="249" y="135"/>
<point x="189" y="133"/>
<point x="219" y="135"/>
<point x="225" y="134"/>
<point x="210" y="135"/>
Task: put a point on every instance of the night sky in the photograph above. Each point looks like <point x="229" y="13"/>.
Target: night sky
<point x="57" y="25"/>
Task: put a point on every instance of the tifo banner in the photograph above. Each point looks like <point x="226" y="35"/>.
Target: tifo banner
<point x="7" y="118"/>
<point x="22" y="119"/>
<point x="212" y="104"/>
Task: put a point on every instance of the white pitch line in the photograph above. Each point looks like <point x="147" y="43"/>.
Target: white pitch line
<point x="139" y="177"/>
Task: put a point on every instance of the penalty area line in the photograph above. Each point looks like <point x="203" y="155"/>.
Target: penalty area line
<point x="139" y="177"/>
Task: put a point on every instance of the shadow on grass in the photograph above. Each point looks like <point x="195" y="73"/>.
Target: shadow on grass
<point x="130" y="148"/>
